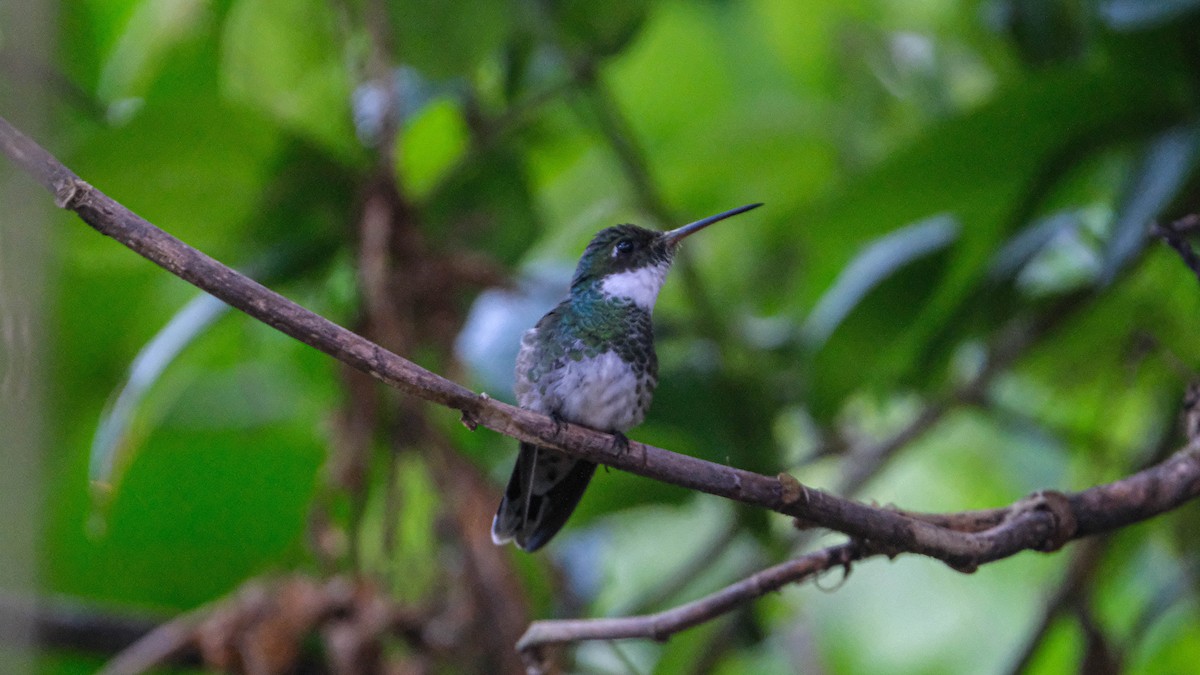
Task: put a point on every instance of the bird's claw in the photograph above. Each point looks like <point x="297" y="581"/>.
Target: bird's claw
<point x="620" y="444"/>
<point x="560" y="424"/>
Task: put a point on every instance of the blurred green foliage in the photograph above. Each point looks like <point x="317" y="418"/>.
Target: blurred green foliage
<point x="1037" y="139"/>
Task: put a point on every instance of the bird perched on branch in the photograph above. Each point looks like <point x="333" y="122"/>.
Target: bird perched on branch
<point x="589" y="361"/>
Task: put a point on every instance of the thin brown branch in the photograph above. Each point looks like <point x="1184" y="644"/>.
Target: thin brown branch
<point x="1011" y="342"/>
<point x="265" y="627"/>
<point x="501" y="609"/>
<point x="662" y="625"/>
<point x="165" y="644"/>
<point x="1080" y="573"/>
<point x="861" y="466"/>
<point x="243" y="623"/>
<point x="692" y="569"/>
<point x="616" y="130"/>
<point x="61" y="624"/>
<point x="1176" y="235"/>
<point x="956" y="539"/>
<point x="618" y="133"/>
<point x="29" y="74"/>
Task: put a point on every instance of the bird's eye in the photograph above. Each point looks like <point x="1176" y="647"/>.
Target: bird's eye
<point x="622" y="247"/>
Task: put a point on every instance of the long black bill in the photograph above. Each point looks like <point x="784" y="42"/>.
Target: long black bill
<point x="673" y="237"/>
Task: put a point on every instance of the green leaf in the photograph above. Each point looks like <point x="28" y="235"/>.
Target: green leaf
<point x="449" y="40"/>
<point x="285" y="59"/>
<point x="958" y="168"/>
<point x="198" y="514"/>
<point x="1027" y="243"/>
<point x="599" y="28"/>
<point x="430" y="146"/>
<point x="1142" y="14"/>
<point x="879" y="260"/>
<point x="189" y="164"/>
<point x="1165" y="165"/>
<point x="153" y="30"/>
<point x="115" y="443"/>
<point x="112" y="443"/>
<point x="486" y="205"/>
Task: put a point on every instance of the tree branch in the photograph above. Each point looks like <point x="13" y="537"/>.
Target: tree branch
<point x="965" y="540"/>
<point x="661" y="625"/>
<point x="961" y="540"/>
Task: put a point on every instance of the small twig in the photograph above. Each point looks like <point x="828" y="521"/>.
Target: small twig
<point x="60" y="624"/>
<point x="635" y="165"/>
<point x="1189" y="224"/>
<point x="158" y="647"/>
<point x="863" y="465"/>
<point x="1167" y="596"/>
<point x="705" y="558"/>
<point x="662" y="625"/>
<point x="1080" y="573"/>
<point x="626" y="661"/>
<point x="1011" y="343"/>
<point x="1175" y="234"/>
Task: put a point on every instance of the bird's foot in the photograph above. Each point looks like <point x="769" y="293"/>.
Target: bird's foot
<point x="620" y="443"/>
<point x="560" y="424"/>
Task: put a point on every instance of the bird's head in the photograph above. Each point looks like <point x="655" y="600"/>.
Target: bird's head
<point x="628" y="261"/>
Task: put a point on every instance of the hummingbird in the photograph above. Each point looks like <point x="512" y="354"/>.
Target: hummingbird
<point x="589" y="361"/>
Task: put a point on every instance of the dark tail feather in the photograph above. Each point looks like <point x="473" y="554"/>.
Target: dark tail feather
<point x="544" y="489"/>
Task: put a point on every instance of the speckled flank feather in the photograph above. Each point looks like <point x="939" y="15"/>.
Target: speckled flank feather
<point x="590" y="361"/>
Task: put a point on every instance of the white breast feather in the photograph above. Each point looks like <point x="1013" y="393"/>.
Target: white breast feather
<point x="599" y="392"/>
<point x="640" y="285"/>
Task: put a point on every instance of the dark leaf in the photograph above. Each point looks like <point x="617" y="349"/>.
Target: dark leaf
<point x="1165" y="164"/>
<point x="1140" y="14"/>
<point x="879" y="260"/>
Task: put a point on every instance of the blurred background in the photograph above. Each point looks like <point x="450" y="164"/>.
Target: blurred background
<point x="949" y="300"/>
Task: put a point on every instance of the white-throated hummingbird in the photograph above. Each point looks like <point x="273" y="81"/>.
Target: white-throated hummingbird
<point x="589" y="361"/>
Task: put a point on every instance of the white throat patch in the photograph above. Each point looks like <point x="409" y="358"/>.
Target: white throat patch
<point x="640" y="285"/>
